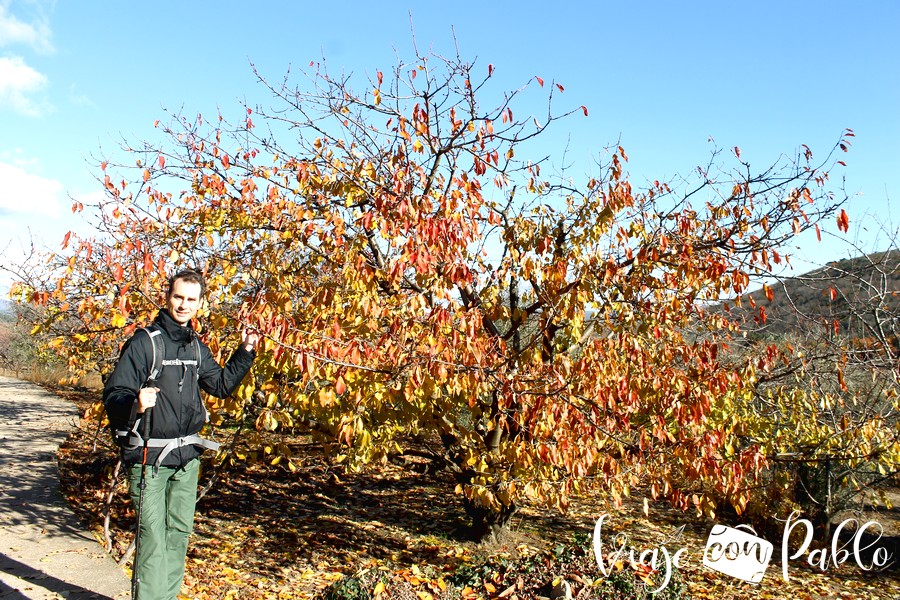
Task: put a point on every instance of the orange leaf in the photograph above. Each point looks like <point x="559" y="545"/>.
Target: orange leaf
<point x="162" y="161"/>
<point x="339" y="386"/>
<point x="843" y="221"/>
<point x="539" y="80"/>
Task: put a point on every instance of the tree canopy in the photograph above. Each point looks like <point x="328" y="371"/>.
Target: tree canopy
<point x="424" y="283"/>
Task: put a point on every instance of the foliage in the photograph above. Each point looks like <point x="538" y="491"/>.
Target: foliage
<point x="420" y="279"/>
<point x="536" y="573"/>
<point x="825" y="410"/>
<point x="20" y="354"/>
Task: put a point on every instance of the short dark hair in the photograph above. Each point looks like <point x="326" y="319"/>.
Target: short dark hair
<point x="189" y="275"/>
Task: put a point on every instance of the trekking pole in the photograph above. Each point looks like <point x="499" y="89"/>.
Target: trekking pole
<point x="145" y="436"/>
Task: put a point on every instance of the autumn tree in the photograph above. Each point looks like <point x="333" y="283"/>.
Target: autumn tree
<point x="426" y="283"/>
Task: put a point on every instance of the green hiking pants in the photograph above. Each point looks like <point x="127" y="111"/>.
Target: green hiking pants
<point x="167" y="520"/>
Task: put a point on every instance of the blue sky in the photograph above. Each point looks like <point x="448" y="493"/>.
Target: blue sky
<point x="662" y="78"/>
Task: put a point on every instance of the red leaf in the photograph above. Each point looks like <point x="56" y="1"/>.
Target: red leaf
<point x="833" y="294"/>
<point x="561" y="88"/>
<point x="843" y="221"/>
<point x="162" y="161"/>
<point x="490" y="70"/>
<point x="584" y="109"/>
<point x="380" y="78"/>
<point x="539" y="80"/>
<point x="737" y="151"/>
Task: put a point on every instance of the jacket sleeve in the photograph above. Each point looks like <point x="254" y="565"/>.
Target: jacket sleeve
<point x="121" y="389"/>
<point x="222" y="381"/>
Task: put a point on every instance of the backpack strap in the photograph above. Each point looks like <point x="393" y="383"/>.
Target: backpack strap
<point x="159" y="352"/>
<point x="134" y="440"/>
<point x="198" y="355"/>
<point x="196" y="343"/>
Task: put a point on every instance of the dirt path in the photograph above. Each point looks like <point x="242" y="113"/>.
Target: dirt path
<point x="45" y="553"/>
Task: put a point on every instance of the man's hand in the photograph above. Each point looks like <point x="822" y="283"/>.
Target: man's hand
<point x="250" y="338"/>
<point x="146" y="399"/>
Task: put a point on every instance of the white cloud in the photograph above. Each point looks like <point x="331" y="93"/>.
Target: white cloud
<point x="19" y="84"/>
<point x="14" y="31"/>
<point x="27" y="194"/>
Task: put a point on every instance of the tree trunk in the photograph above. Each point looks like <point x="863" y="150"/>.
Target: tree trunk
<point x="488" y="526"/>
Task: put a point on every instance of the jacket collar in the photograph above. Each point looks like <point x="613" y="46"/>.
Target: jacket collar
<point x="175" y="332"/>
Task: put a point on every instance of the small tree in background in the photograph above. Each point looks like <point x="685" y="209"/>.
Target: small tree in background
<point x="825" y="411"/>
<point x="421" y="279"/>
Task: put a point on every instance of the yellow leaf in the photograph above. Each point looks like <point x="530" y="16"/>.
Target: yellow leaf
<point x="118" y="321"/>
<point x="379" y="588"/>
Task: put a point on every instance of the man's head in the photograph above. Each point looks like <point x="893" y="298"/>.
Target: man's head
<point x="185" y="294"/>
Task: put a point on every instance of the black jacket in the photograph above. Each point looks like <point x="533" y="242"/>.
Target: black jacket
<point x="179" y="410"/>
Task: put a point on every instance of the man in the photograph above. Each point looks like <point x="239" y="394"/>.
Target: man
<point x="178" y="414"/>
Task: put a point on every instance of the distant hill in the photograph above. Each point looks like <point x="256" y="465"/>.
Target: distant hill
<point x="7" y="310"/>
<point x="865" y="289"/>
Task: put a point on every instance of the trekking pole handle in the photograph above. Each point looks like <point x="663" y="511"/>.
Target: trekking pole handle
<point x="145" y="434"/>
<point x="145" y="424"/>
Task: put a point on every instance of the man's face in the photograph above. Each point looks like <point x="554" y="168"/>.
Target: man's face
<point x="183" y="301"/>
